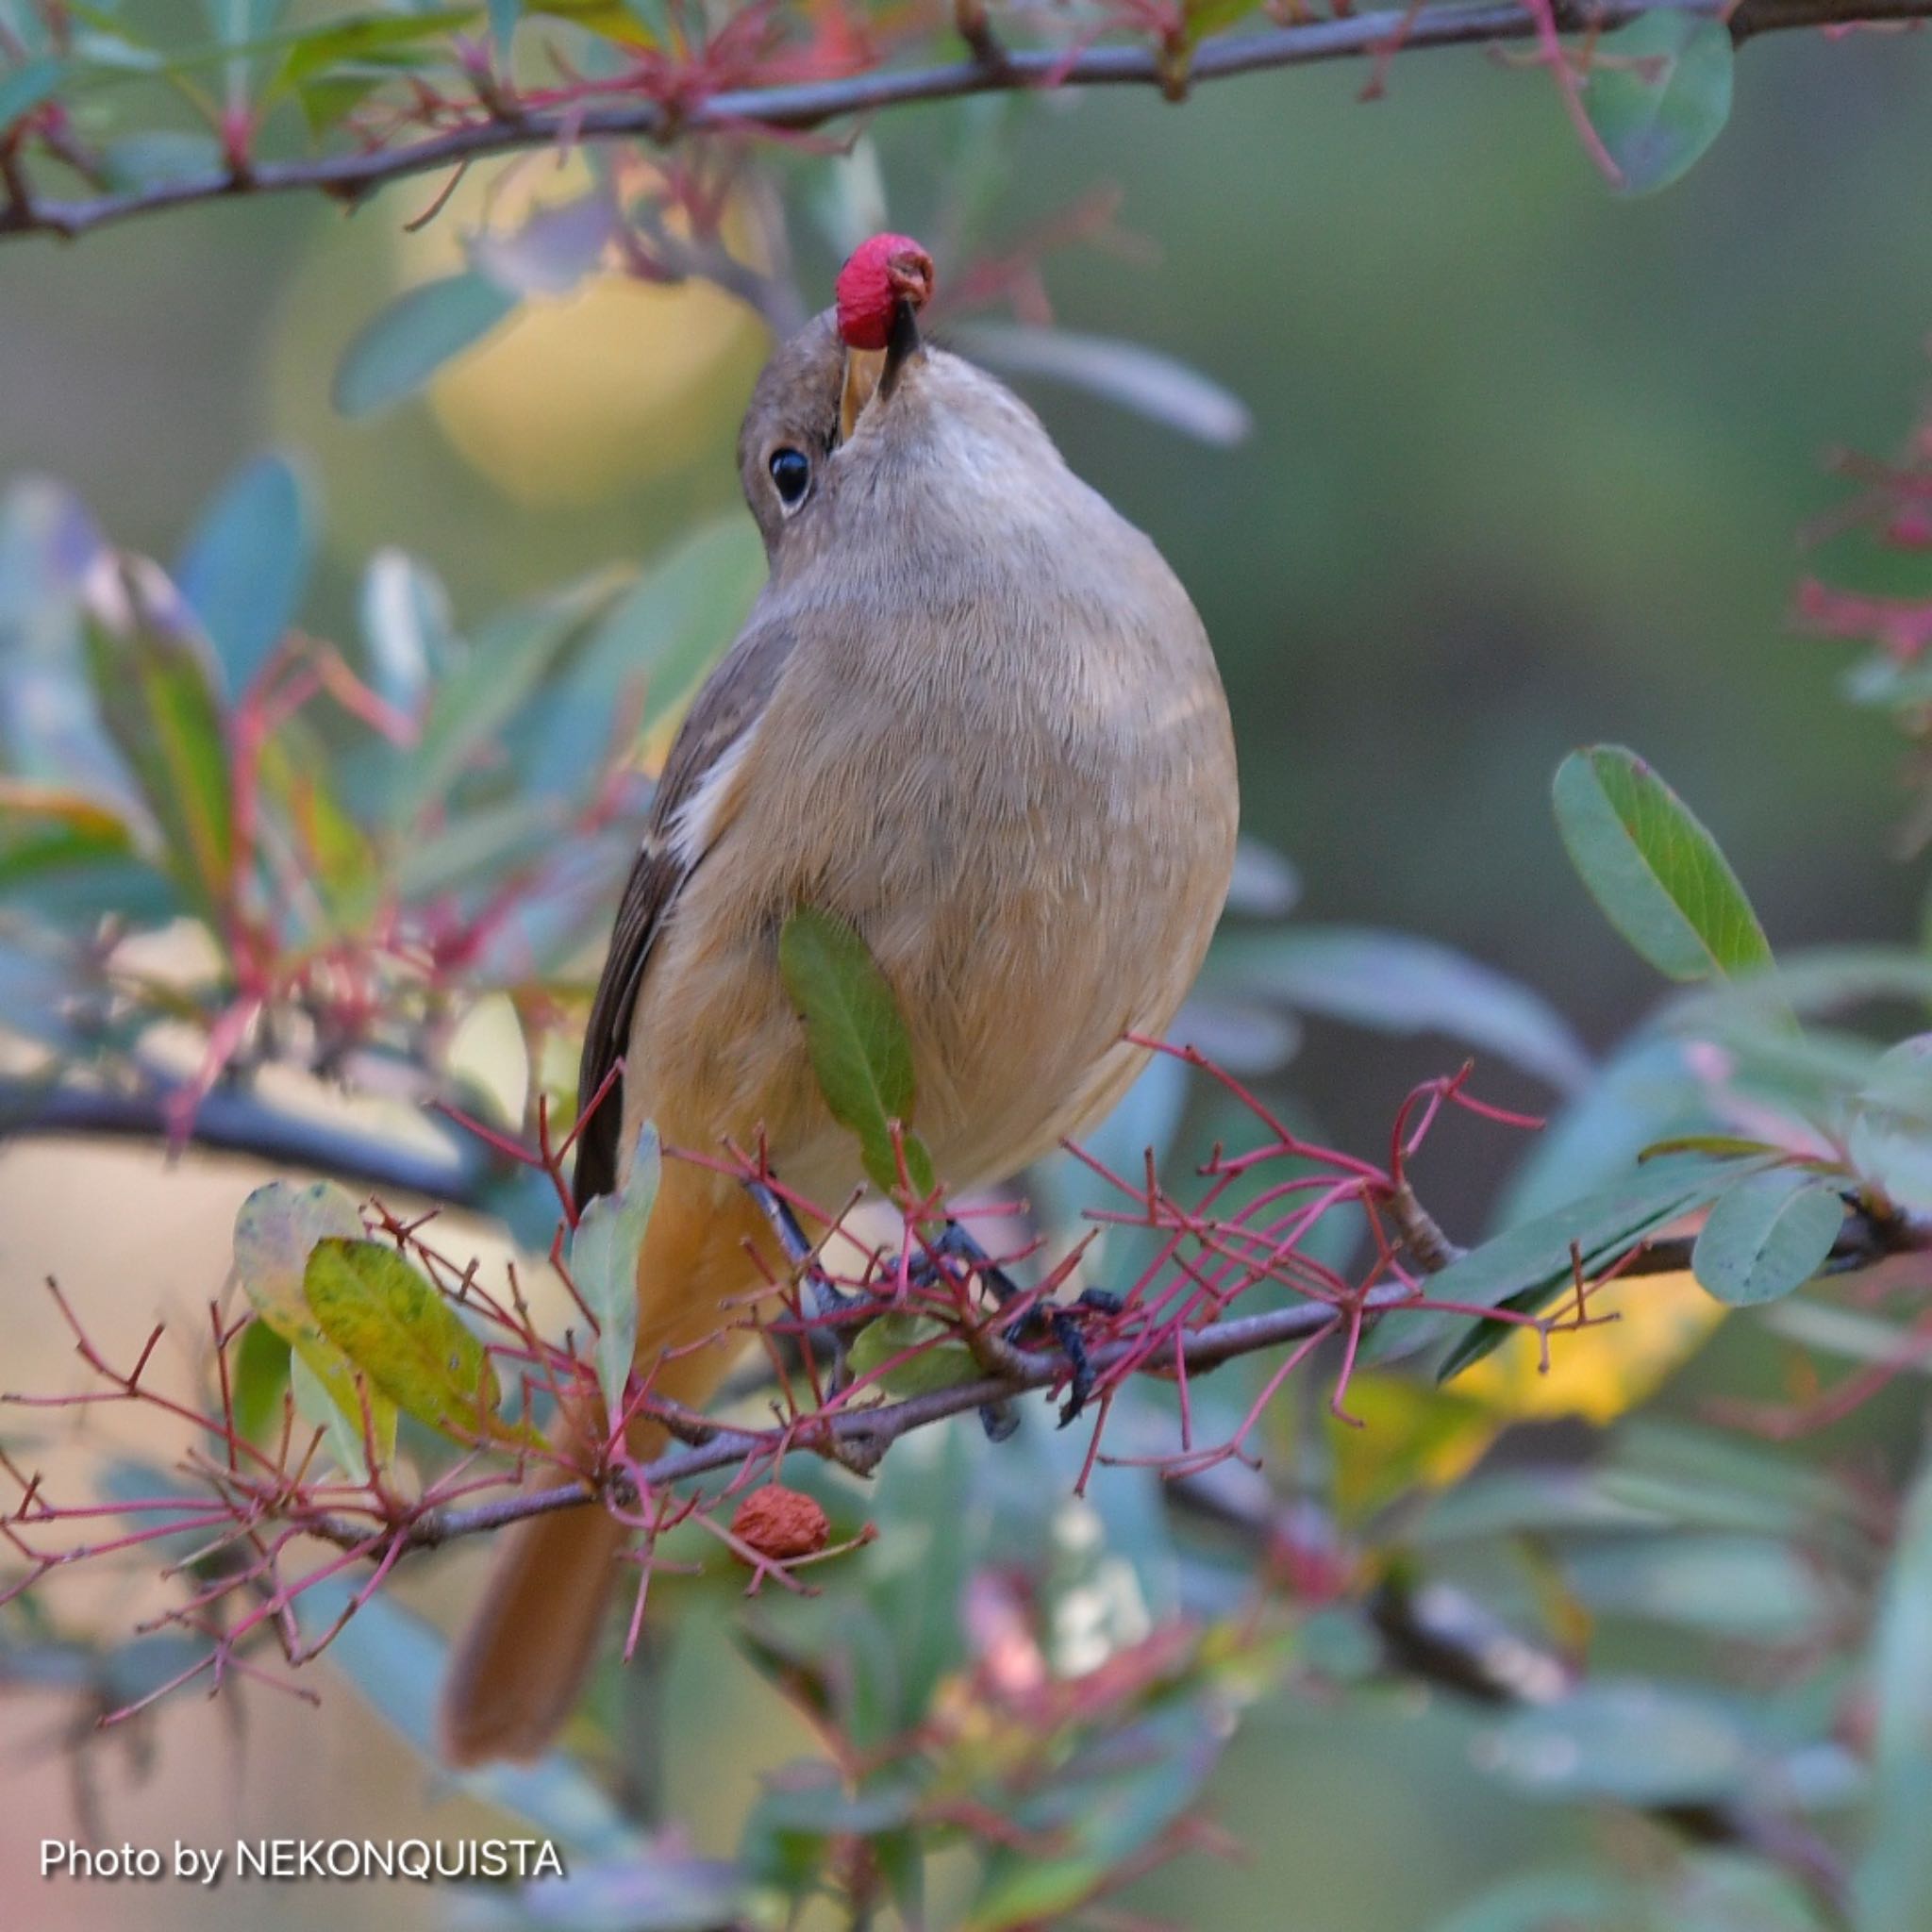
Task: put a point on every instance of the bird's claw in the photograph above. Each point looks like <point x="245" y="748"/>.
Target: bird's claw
<point x="1062" y="1323"/>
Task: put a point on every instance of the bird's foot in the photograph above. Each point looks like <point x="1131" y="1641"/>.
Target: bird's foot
<point x="954" y="1244"/>
<point x="826" y="1297"/>
<point x="1062" y="1323"/>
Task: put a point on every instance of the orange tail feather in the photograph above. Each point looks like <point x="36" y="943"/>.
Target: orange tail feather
<point x="518" y="1667"/>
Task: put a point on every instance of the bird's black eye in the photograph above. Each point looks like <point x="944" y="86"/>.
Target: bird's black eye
<point x="791" y="475"/>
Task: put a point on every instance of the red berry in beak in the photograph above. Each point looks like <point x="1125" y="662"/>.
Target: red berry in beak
<point x="881" y="274"/>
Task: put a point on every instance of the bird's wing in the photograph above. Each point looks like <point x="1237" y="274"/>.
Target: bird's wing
<point x="730" y="703"/>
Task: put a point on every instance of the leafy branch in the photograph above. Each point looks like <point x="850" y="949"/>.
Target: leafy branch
<point x="497" y="122"/>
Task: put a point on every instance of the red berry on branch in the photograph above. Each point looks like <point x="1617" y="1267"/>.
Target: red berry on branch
<point x="881" y="274"/>
<point x="781" y="1523"/>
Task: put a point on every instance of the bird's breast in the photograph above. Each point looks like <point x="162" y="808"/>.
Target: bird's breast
<point x="1023" y="797"/>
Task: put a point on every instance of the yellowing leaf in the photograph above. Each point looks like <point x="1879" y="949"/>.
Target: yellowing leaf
<point x="275" y="1231"/>
<point x="404" y="1336"/>
<point x="1599" y="1373"/>
<point x="1412" y="1433"/>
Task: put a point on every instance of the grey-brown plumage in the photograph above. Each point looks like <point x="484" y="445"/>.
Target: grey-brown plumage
<point x="974" y="714"/>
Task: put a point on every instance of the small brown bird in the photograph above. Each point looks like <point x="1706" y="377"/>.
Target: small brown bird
<point x="972" y="713"/>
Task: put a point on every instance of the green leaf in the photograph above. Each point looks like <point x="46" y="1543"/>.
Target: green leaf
<point x="45" y="829"/>
<point x="913" y="1587"/>
<point x="1658" y="94"/>
<point x="1767" y="1236"/>
<point x="476" y="845"/>
<point x="343" y="1437"/>
<point x="1400" y="984"/>
<point x="299" y="780"/>
<point x="1730" y="1891"/>
<point x="604" y="1264"/>
<point x="156" y="698"/>
<point x="1113" y="1798"/>
<point x="275" y="1231"/>
<point x="859" y="1050"/>
<point x="259" y="1373"/>
<point x="1888" y="1135"/>
<point x="246" y="565"/>
<point x="656" y="642"/>
<point x="1526" y="1266"/>
<point x="1828" y="1329"/>
<point x="398" y="350"/>
<point x="1642" y="1092"/>
<point x="1653" y="868"/>
<point x="365" y="35"/>
<point x="404" y="1336"/>
<point x="945" y="1365"/>
<point x="1201" y="18"/>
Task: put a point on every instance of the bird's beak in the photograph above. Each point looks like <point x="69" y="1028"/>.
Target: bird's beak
<point x="871" y="373"/>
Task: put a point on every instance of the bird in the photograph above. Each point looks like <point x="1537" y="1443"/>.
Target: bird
<point x="973" y="714"/>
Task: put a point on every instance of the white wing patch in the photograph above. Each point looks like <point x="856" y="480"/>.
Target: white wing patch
<point x="696" y="823"/>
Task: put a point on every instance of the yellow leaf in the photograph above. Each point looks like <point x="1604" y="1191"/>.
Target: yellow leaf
<point x="1599" y="1373"/>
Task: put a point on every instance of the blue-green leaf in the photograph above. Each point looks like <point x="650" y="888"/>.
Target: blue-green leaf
<point x="1632" y="1740"/>
<point x="1397" y="983"/>
<point x="473" y="704"/>
<point x="1767" y="1236"/>
<point x="1526" y="1266"/>
<point x="604" y="1264"/>
<point x="160" y="157"/>
<point x="27" y="86"/>
<point x="246" y="565"/>
<point x="1131" y="374"/>
<point x="1658" y="94"/>
<point x="396" y="1662"/>
<point x="1894" y="1877"/>
<point x="398" y="350"/>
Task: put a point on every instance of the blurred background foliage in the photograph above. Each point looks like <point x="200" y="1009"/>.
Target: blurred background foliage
<point x="1528" y="468"/>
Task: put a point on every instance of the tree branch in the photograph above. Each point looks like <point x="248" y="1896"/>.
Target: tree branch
<point x="234" y="1120"/>
<point x="861" y="1434"/>
<point x="807" y="105"/>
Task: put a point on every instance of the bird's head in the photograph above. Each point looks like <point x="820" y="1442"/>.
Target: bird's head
<point x="858" y="426"/>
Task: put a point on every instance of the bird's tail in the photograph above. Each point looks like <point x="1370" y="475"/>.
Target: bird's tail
<point x="527" y="1650"/>
<point x="518" y="1667"/>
